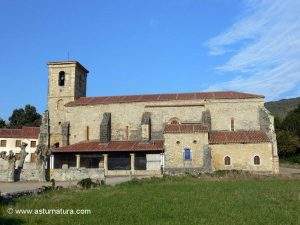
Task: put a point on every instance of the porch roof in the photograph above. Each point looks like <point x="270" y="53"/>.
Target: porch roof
<point x="113" y="146"/>
<point x="235" y="137"/>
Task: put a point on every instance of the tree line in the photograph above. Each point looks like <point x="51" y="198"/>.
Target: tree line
<point x="288" y="135"/>
<point x="27" y="116"/>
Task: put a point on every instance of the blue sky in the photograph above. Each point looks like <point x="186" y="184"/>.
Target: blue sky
<point x="140" y="46"/>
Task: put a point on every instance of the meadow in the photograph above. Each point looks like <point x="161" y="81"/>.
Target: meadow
<point x="171" y="200"/>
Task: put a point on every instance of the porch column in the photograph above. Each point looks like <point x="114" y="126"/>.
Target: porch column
<point x="51" y="161"/>
<point x="105" y="161"/>
<point x="77" y="161"/>
<point x="132" y="163"/>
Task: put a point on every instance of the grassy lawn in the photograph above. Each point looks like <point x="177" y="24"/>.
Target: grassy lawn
<point x="169" y="201"/>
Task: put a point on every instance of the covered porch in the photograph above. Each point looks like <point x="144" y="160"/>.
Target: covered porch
<point x="116" y="158"/>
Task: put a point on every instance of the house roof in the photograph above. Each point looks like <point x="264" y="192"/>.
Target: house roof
<point x="161" y="97"/>
<point x="185" y="128"/>
<point x="227" y="137"/>
<point x="113" y="146"/>
<point x="25" y="132"/>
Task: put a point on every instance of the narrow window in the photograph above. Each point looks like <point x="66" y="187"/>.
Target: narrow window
<point x="33" y="144"/>
<point x="256" y="160"/>
<point x="187" y="154"/>
<point x="87" y="133"/>
<point x="61" y="78"/>
<point x="18" y="143"/>
<point x="232" y="124"/>
<point x="3" y="143"/>
<point x="227" y="160"/>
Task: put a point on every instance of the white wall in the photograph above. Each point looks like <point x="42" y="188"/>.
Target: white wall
<point x="11" y="145"/>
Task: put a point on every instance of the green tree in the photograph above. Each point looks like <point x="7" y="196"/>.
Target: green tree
<point x="27" y="116"/>
<point x="2" y="123"/>
<point x="287" y="142"/>
<point x="292" y="121"/>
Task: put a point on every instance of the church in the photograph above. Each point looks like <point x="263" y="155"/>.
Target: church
<point x="153" y="134"/>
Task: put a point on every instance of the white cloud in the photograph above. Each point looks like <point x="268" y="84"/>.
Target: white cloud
<point x="265" y="48"/>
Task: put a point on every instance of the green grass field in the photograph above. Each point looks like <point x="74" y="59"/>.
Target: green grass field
<point x="171" y="201"/>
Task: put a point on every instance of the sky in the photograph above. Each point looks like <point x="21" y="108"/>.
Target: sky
<point x="142" y="46"/>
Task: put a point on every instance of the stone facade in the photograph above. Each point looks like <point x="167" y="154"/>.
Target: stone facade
<point x="242" y="157"/>
<point x="134" y="120"/>
<point x="174" y="151"/>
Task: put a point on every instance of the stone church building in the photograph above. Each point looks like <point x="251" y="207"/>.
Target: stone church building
<point x="155" y="133"/>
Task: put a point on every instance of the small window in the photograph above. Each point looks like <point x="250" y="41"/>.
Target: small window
<point x="61" y="78"/>
<point x="256" y="160"/>
<point x="33" y="144"/>
<point x="178" y="142"/>
<point x="227" y="160"/>
<point x="187" y="154"/>
<point x="3" y="143"/>
<point x="56" y="145"/>
<point x="18" y="143"/>
<point x="174" y="120"/>
<point x="232" y="124"/>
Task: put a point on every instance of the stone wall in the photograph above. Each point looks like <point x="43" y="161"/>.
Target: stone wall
<point x="242" y="156"/>
<point x="32" y="172"/>
<point x="76" y="174"/>
<point x="126" y="117"/>
<point x="58" y="96"/>
<point x="7" y="171"/>
<point x="267" y="125"/>
<point x="174" y="149"/>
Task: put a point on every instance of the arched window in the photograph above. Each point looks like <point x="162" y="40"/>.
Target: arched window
<point x="256" y="160"/>
<point x="61" y="78"/>
<point x="227" y="160"/>
<point x="187" y="154"/>
<point x="174" y="120"/>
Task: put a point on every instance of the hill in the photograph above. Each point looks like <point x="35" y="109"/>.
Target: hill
<point x="282" y="107"/>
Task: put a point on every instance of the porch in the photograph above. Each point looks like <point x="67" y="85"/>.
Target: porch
<point x="94" y="160"/>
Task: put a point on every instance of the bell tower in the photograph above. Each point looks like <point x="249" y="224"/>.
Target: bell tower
<point x="66" y="83"/>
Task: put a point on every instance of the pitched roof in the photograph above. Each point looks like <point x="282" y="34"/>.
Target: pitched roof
<point x="113" y="146"/>
<point x="25" y="132"/>
<point x="227" y="137"/>
<point x="161" y="97"/>
<point x="185" y="128"/>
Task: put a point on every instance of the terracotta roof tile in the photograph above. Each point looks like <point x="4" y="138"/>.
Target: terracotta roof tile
<point x="160" y="97"/>
<point x="227" y="137"/>
<point x="113" y="146"/>
<point x="185" y="128"/>
<point x="25" y="132"/>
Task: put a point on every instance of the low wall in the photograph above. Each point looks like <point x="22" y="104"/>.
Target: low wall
<point x="133" y="173"/>
<point x="31" y="172"/>
<point x="7" y="175"/>
<point x="182" y="170"/>
<point x="76" y="174"/>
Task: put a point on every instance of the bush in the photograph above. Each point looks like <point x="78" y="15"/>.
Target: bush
<point x="88" y="183"/>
